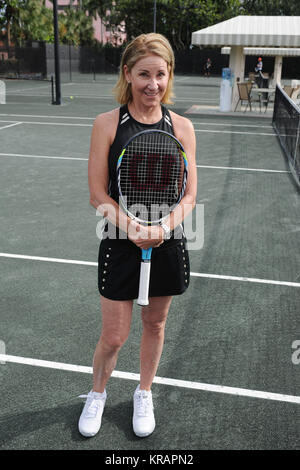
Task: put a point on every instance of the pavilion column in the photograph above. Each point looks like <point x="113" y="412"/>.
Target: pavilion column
<point x="277" y="70"/>
<point x="237" y="65"/>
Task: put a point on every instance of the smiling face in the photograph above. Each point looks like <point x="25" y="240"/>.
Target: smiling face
<point x="148" y="79"/>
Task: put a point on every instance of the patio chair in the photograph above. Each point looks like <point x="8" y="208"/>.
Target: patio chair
<point x="295" y="93"/>
<point x="288" y="89"/>
<point x="266" y="99"/>
<point x="252" y="77"/>
<point x="245" y="95"/>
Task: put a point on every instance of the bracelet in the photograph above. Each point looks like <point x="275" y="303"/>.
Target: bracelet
<point x="167" y="231"/>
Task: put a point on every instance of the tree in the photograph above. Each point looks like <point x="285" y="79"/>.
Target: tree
<point x="25" y="20"/>
<point x="35" y="22"/>
<point x="191" y="15"/>
<point x="75" y="26"/>
<point x="10" y="18"/>
<point x="176" y="19"/>
<point x="271" y="7"/>
<point x="97" y="6"/>
<point x="30" y="20"/>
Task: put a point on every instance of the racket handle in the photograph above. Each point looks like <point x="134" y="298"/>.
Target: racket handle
<point x="144" y="283"/>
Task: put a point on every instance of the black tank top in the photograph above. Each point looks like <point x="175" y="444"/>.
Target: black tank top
<point x="127" y="128"/>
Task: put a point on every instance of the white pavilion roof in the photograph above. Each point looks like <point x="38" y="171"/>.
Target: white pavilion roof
<point x="262" y="31"/>
<point x="267" y="51"/>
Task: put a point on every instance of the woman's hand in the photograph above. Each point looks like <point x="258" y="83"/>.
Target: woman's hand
<point x="145" y="237"/>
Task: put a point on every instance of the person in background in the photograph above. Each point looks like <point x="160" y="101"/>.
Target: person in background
<point x="259" y="65"/>
<point x="258" y="70"/>
<point x="207" y="68"/>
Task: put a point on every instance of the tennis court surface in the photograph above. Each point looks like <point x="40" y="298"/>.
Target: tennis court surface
<point x="229" y="377"/>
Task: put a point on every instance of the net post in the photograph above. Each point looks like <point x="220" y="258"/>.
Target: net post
<point x="94" y="69"/>
<point x="297" y="141"/>
<point x="52" y="90"/>
<point x="286" y="123"/>
<point x="56" y="54"/>
<point x="70" y="62"/>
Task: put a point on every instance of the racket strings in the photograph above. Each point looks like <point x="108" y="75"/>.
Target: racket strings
<point x="151" y="176"/>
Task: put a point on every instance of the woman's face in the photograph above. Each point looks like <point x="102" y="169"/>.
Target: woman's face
<point x="149" y="80"/>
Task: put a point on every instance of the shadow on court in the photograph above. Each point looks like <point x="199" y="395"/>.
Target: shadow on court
<point x="21" y="426"/>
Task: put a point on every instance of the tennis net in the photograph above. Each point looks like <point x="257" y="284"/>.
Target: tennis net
<point x="286" y="123"/>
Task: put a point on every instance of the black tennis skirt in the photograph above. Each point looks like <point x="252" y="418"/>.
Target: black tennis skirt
<point x="119" y="269"/>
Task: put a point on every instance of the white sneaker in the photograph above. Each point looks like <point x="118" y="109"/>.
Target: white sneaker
<point x="143" y="417"/>
<point x="90" y="419"/>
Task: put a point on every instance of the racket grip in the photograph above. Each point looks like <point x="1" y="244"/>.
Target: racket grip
<point x="144" y="283"/>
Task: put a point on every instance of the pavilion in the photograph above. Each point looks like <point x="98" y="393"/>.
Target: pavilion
<point x="264" y="35"/>
<point x="277" y="52"/>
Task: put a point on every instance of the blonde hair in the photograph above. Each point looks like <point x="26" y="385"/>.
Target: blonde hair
<point x="138" y="48"/>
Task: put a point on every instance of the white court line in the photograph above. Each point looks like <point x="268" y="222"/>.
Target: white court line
<point x="11" y="91"/>
<point x="46" y="95"/>
<point x="179" y="80"/>
<point x="236" y="132"/>
<point x="198" y="166"/>
<point x="247" y="279"/>
<point x="47" y="116"/>
<point x="51" y="260"/>
<point x="208" y="100"/>
<point x="98" y="97"/>
<point x="160" y="380"/>
<point x="205" y="275"/>
<point x="40" y="87"/>
<point x="53" y="123"/>
<point x="241" y="169"/>
<point x="93" y="118"/>
<point x="10" y="125"/>
<point x="196" y="130"/>
<point x="40" y="156"/>
<point x="230" y="125"/>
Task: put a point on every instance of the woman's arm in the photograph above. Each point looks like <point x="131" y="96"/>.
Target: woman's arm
<point x="184" y="131"/>
<point x="104" y="130"/>
<point x="103" y="133"/>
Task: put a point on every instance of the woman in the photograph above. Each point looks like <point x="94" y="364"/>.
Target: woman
<point x="145" y="82"/>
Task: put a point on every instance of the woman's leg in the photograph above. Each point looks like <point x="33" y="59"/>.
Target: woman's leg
<point x="116" y="320"/>
<point x="154" y="318"/>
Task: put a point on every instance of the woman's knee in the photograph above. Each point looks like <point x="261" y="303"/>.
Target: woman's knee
<point x="153" y="325"/>
<point x="116" y="320"/>
<point x="113" y="341"/>
<point x="155" y="315"/>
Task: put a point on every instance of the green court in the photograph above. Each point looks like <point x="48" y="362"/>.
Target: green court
<point x="229" y="377"/>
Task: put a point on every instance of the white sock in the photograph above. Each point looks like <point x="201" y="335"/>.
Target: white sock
<point x="98" y="394"/>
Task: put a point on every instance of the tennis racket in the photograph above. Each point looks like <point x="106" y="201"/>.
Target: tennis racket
<point x="152" y="174"/>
